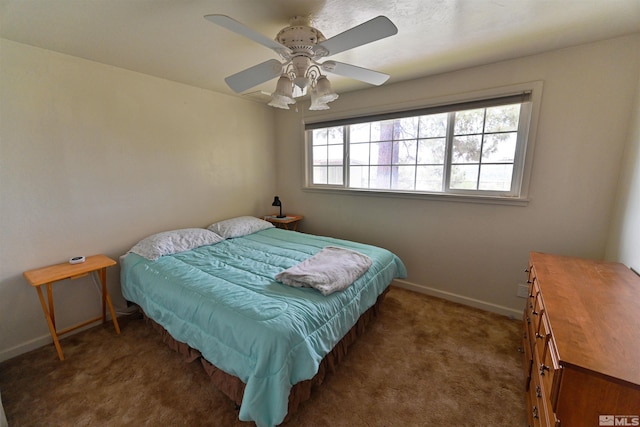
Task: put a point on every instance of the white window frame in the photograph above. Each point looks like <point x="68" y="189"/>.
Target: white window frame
<point x="522" y="161"/>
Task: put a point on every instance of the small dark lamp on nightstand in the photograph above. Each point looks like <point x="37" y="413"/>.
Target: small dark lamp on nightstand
<point x="277" y="202"/>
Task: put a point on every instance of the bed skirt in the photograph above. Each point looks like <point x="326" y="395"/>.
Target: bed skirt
<point x="233" y="387"/>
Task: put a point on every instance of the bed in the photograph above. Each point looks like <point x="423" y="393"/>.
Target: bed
<point x="214" y="290"/>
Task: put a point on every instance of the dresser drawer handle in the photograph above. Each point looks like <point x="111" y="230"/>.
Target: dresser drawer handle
<point x="538" y="391"/>
<point x="535" y="412"/>
<point x="543" y="368"/>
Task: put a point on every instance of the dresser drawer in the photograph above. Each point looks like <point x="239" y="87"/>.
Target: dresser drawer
<point x="527" y="350"/>
<point x="540" y="412"/>
<point x="530" y="277"/>
<point x="541" y="389"/>
<point x="535" y="307"/>
<point x="542" y="334"/>
<point x="550" y="373"/>
<point x="536" y="404"/>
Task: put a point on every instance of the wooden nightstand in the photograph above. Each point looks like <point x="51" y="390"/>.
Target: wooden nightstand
<point x="289" y="220"/>
<point x="54" y="273"/>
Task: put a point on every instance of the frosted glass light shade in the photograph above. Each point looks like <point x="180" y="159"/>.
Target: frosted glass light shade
<point x="324" y="92"/>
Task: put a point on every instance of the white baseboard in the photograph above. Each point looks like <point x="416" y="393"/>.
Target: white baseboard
<point x="472" y="302"/>
<point x="25" y="347"/>
<point x="46" y="339"/>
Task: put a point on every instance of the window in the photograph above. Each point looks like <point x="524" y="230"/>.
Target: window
<point x="472" y="148"/>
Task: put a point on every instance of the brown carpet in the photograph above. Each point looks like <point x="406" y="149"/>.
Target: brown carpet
<point x="422" y="362"/>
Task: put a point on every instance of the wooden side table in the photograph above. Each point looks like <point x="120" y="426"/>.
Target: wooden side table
<point x="289" y="220"/>
<point x="54" y="273"/>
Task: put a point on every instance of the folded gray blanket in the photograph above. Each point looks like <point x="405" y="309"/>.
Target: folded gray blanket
<point x="330" y="270"/>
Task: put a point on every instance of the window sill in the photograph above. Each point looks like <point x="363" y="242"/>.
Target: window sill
<point x="492" y="200"/>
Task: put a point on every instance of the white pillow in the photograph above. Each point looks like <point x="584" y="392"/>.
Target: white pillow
<point x="175" y="241"/>
<point x="240" y="226"/>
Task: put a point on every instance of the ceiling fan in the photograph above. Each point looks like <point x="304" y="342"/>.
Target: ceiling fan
<point x="300" y="46"/>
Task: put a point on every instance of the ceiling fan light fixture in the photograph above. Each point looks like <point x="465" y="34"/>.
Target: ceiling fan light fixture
<point x="324" y="92"/>
<point x="277" y="102"/>
<point x="315" y="104"/>
<point x="284" y="90"/>
<point x="281" y="101"/>
<point x="318" y="107"/>
<point x="283" y="96"/>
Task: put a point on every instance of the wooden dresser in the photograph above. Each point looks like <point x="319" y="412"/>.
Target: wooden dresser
<point x="581" y="346"/>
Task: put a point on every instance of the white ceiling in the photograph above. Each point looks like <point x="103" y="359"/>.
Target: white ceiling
<point x="172" y="40"/>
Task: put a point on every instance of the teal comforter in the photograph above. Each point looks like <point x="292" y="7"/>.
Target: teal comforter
<point x="222" y="300"/>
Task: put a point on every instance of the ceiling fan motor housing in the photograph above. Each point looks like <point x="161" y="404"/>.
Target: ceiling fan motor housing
<point x="300" y="38"/>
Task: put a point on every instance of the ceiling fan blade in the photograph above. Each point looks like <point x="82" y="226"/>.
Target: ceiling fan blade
<point x="347" y="70"/>
<point x="367" y="32"/>
<point x="238" y="28"/>
<point x="255" y="75"/>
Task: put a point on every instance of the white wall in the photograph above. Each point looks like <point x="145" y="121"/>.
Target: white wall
<point x="624" y="240"/>
<point x="476" y="253"/>
<point x="93" y="158"/>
